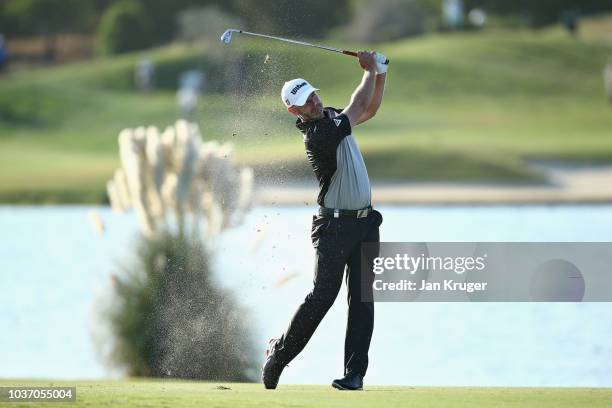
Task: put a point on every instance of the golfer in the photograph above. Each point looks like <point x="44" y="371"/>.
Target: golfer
<point x="345" y="220"/>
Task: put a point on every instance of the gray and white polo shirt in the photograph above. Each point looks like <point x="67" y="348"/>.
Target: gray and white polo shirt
<point x="336" y="161"/>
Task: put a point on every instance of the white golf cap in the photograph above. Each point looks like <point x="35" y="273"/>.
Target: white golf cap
<point x="296" y="92"/>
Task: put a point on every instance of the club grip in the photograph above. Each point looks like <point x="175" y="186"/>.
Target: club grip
<point x="351" y="53"/>
<point x="379" y="57"/>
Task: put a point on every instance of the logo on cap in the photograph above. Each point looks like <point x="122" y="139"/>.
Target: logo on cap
<point x="297" y="88"/>
<point x="337" y="122"/>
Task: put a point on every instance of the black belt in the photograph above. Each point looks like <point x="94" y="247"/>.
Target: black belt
<point x="336" y="213"/>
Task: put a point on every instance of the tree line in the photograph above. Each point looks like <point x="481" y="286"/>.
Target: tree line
<point x="125" y="25"/>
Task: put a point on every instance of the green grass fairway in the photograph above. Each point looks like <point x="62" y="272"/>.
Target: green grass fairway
<point x="175" y="394"/>
<point x="464" y="106"/>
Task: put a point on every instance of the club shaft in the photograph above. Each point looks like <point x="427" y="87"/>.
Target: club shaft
<point x="323" y="47"/>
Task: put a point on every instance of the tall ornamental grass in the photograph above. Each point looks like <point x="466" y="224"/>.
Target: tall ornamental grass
<point x="168" y="316"/>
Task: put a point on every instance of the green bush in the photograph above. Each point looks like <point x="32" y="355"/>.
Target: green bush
<point x="170" y="319"/>
<point x="33" y="106"/>
<point x="123" y="27"/>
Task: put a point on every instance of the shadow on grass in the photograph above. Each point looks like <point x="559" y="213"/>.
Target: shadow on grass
<point x="93" y="196"/>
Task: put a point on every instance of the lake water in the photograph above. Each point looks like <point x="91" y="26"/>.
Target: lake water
<point x="55" y="269"/>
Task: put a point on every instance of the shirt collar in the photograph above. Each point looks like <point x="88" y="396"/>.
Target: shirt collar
<point x="304" y="126"/>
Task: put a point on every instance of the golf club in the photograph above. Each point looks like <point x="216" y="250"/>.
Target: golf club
<point x="227" y="38"/>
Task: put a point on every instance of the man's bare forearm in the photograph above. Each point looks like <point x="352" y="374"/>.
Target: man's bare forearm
<point x="365" y="91"/>
<point x="379" y="91"/>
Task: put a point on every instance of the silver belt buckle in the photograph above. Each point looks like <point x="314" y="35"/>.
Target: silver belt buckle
<point x="336" y="213"/>
<point x="362" y="213"/>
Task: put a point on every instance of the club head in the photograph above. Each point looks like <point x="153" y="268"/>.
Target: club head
<point x="226" y="38"/>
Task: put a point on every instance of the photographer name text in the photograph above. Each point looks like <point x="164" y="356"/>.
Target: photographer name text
<point x="448" y="285"/>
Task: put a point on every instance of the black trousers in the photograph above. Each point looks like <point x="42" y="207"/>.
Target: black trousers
<point x="338" y="245"/>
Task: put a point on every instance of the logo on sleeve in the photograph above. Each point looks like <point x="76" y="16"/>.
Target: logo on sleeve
<point x="337" y="122"/>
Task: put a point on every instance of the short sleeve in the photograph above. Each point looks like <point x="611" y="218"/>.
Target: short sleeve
<point x="344" y="126"/>
<point x="337" y="128"/>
